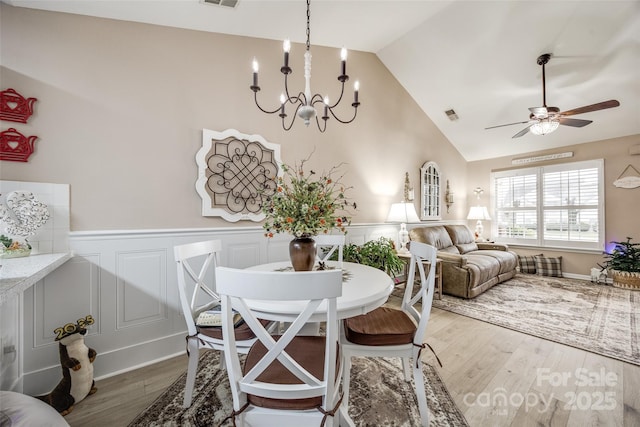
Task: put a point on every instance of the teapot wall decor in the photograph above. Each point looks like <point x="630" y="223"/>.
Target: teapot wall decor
<point x="15" y="146"/>
<point x="15" y="107"/>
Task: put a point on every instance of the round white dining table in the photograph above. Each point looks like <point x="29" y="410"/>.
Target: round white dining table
<point x="364" y="288"/>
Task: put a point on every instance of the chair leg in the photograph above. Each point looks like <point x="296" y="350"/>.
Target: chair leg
<point x="346" y="382"/>
<point x="222" y="365"/>
<point x="418" y="379"/>
<point x="193" y="347"/>
<point x="406" y="363"/>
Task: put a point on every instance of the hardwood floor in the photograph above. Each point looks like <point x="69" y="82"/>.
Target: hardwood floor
<point x="498" y="377"/>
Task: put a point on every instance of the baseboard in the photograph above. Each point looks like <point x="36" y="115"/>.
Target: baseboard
<point x="608" y="281"/>
<point x="576" y="276"/>
<point x="109" y="363"/>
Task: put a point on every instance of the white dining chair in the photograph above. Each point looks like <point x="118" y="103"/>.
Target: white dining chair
<point x="196" y="263"/>
<point x="388" y="332"/>
<point x="291" y="379"/>
<point x="334" y="242"/>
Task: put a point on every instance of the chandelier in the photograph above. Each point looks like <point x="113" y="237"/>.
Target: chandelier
<point x="305" y="103"/>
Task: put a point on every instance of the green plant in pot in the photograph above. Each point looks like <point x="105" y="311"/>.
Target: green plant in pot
<point x="624" y="264"/>
<point x="305" y="204"/>
<point x="380" y="254"/>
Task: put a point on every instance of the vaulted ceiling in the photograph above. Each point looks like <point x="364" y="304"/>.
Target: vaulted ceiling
<point x="475" y="57"/>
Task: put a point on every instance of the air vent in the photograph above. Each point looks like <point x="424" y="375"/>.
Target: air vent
<point x="226" y="3"/>
<point x="452" y="115"/>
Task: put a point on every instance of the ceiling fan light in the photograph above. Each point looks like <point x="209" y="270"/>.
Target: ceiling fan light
<point x="544" y="126"/>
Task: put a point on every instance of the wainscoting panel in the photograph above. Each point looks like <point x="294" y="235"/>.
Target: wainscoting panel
<point x="127" y="281"/>
<point x="141" y="288"/>
<point x="242" y="254"/>
<point x="50" y="295"/>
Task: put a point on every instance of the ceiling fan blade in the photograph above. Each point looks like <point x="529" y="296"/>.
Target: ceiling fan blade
<point x="593" y="107"/>
<point x="576" y="123"/>
<point x="509" y="124"/>
<point x="522" y="132"/>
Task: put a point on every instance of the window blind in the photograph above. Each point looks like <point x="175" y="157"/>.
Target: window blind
<point x="557" y="206"/>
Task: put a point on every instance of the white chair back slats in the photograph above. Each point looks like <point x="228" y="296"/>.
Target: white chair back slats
<point x="240" y="290"/>
<point x="335" y="242"/>
<point x="421" y="253"/>
<point x="197" y="290"/>
<point x="196" y="264"/>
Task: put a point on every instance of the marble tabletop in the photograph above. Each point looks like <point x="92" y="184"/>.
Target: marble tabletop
<point x="18" y="274"/>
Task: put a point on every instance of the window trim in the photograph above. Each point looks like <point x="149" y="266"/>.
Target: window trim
<point x="539" y="171"/>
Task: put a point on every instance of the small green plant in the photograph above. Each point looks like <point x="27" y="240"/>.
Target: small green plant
<point x="625" y="256"/>
<point x="380" y="254"/>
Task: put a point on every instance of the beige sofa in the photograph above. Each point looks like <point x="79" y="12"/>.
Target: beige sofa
<point x="468" y="268"/>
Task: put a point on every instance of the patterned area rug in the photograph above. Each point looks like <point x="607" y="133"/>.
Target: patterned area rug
<point x="379" y="397"/>
<point x="597" y="318"/>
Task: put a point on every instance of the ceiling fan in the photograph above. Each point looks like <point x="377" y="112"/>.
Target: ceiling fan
<point x="544" y="120"/>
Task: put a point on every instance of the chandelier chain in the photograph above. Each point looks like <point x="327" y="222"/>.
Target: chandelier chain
<point x="308" y="25"/>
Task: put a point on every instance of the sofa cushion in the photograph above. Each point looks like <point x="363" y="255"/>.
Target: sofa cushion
<point x="436" y="236"/>
<point x="549" y="266"/>
<point x="460" y="234"/>
<point x="481" y="268"/>
<point x="527" y="263"/>
<point x="506" y="260"/>
<point x="467" y="247"/>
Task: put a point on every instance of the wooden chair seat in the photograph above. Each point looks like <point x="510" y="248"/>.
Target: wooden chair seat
<point x="382" y="326"/>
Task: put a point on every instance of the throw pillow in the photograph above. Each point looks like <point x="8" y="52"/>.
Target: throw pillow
<point x="527" y="263"/>
<point x="549" y="266"/>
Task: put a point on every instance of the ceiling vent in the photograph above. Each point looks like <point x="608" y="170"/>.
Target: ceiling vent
<point x="226" y="3"/>
<point x="452" y="115"/>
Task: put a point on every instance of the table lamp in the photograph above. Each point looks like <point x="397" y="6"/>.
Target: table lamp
<point x="479" y="213"/>
<point x="403" y="212"/>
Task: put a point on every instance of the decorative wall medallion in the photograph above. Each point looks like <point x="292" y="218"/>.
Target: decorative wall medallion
<point x="15" y="146"/>
<point x="235" y="172"/>
<point x="15" y="107"/>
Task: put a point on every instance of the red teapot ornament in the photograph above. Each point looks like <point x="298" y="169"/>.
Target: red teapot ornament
<point x="15" y="107"/>
<point x="15" y="146"/>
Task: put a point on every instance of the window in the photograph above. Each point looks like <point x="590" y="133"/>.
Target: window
<point x="430" y="191"/>
<point x="552" y="206"/>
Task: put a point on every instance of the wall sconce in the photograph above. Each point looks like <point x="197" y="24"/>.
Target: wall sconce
<point x="448" y="197"/>
<point x="409" y="194"/>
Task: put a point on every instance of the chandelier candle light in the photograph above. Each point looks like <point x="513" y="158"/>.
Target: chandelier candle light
<point x="304" y="102"/>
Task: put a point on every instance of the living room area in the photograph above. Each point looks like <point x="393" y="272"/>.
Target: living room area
<point x="128" y="100"/>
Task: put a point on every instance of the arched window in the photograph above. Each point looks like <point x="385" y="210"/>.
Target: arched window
<point x="430" y="191"/>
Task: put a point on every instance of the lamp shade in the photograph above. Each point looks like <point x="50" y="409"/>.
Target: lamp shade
<point x="402" y="212"/>
<point x="479" y="212"/>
